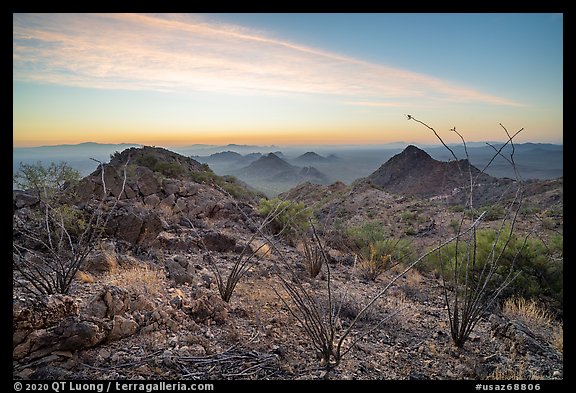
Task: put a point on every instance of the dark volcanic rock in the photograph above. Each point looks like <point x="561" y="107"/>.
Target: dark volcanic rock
<point x="215" y="241"/>
<point x="146" y="182"/>
<point x="413" y="172"/>
<point x="22" y="199"/>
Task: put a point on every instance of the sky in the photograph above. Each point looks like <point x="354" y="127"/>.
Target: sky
<point x="285" y="79"/>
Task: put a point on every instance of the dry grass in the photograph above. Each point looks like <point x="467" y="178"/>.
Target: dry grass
<point x="527" y="311"/>
<point x="313" y="258"/>
<point x="84" y="277"/>
<point x="558" y="338"/>
<point x="371" y="268"/>
<point x="165" y="211"/>
<point x="414" y="278"/>
<point x="140" y="279"/>
<point x="261" y="249"/>
<point x="516" y="372"/>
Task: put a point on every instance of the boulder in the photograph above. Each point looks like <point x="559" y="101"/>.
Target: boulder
<point x="518" y="337"/>
<point x="152" y="200"/>
<point x="146" y="181"/>
<point x="111" y="301"/>
<point x="71" y="334"/>
<point x="122" y="327"/>
<point x="101" y="261"/>
<point x="168" y="201"/>
<point x="151" y="228"/>
<point x="208" y="307"/>
<point x="22" y="199"/>
<point x="28" y="316"/>
<point x="179" y="273"/>
<point x="215" y="241"/>
<point x="189" y="189"/>
<point x="181" y="205"/>
<point x="127" y="227"/>
<point x="170" y="186"/>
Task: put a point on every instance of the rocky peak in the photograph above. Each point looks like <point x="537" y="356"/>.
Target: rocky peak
<point x="413" y="152"/>
<point x="415" y="172"/>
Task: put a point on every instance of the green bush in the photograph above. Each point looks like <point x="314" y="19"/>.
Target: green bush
<point x="148" y="161"/>
<point x="455" y="225"/>
<point x="540" y="265"/>
<point x="365" y="234"/>
<point x="409" y="216"/>
<point x="169" y="169"/>
<point x="288" y="217"/>
<point x="372" y="243"/>
<point x="494" y="212"/>
<point x="46" y="181"/>
<point x="529" y="211"/>
<point x="457" y="208"/>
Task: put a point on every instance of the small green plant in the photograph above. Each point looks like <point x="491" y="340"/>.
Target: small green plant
<point x="290" y="218"/>
<point x="46" y="181"/>
<point x="169" y="169"/>
<point x="527" y="211"/>
<point x="376" y="249"/>
<point x="363" y="235"/>
<point x="455" y="225"/>
<point x="548" y="223"/>
<point x="374" y="264"/>
<point x="494" y="212"/>
<point x="457" y="208"/>
<point x="409" y="216"/>
<point x="410" y="232"/>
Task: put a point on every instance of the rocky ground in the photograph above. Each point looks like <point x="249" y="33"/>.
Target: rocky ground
<point x="146" y="303"/>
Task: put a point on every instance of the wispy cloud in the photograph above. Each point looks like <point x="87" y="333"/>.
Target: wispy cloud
<point x="188" y="53"/>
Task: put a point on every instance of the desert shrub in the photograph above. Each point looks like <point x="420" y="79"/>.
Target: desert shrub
<point x="409" y="216"/>
<point x="50" y="245"/>
<point x="363" y="235"/>
<point x="455" y="225"/>
<point x="373" y="265"/>
<point x="169" y="169"/>
<point x="548" y="223"/>
<point x="554" y="212"/>
<point x="313" y="258"/>
<point x="494" y="212"/>
<point x="539" y="274"/>
<point x="148" y="161"/>
<point x="72" y="219"/>
<point x="457" y="208"/>
<point x="377" y="251"/>
<point x="558" y="338"/>
<point x="45" y="181"/>
<point x="288" y="218"/>
<point x="203" y="177"/>
<point x="526" y="211"/>
<point x="232" y="186"/>
<point x="410" y="231"/>
<point x="84" y="277"/>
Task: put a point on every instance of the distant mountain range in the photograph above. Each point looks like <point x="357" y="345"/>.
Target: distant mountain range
<point x="326" y="164"/>
<point x="78" y="156"/>
<point x="272" y="169"/>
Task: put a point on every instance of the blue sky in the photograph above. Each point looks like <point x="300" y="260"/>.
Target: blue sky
<point x="285" y="78"/>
